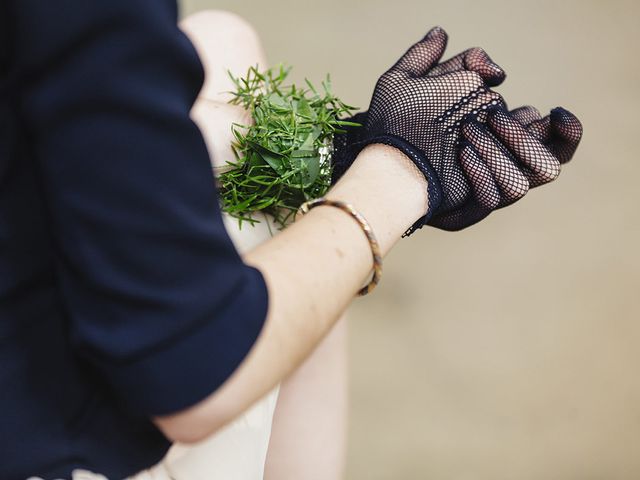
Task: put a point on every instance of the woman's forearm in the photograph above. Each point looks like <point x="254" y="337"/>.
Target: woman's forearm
<point x="312" y="271"/>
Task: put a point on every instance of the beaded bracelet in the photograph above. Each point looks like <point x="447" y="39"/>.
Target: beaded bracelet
<point x="366" y="228"/>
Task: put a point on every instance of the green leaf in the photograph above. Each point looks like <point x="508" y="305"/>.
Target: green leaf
<point x="276" y="100"/>
<point x="347" y="123"/>
<point x="309" y="168"/>
<point x="275" y="162"/>
<point x="304" y="109"/>
<point x="303" y="153"/>
<point x="278" y="165"/>
<point x="260" y="148"/>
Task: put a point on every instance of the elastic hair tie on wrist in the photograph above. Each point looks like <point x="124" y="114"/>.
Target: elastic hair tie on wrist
<point x="366" y="228"/>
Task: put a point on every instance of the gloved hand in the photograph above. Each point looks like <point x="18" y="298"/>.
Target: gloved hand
<point x="436" y="114"/>
<point x="473" y="60"/>
<point x="512" y="152"/>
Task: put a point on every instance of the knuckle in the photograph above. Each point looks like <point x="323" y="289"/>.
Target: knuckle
<point x="472" y="78"/>
<point x="467" y="79"/>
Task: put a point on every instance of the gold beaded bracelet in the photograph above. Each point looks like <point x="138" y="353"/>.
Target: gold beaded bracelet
<point x="366" y="228"/>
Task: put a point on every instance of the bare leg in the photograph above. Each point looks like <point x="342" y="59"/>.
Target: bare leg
<point x="308" y="438"/>
<point x="309" y="428"/>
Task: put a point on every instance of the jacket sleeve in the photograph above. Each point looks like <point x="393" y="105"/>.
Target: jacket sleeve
<point x="158" y="299"/>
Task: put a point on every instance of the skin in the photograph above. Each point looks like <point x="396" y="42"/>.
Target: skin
<point x="308" y="434"/>
<point x="308" y="293"/>
<point x="314" y="268"/>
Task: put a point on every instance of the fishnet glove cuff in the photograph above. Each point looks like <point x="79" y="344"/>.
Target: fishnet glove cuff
<point x="434" y="191"/>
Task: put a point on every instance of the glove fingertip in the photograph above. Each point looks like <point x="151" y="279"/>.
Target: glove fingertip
<point x="562" y="115"/>
<point x="497" y="77"/>
<point x="566" y="124"/>
<point x="435" y="32"/>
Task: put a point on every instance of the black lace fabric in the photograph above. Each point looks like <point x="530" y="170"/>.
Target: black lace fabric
<point x="476" y="155"/>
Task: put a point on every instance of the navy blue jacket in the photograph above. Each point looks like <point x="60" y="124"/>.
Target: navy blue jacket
<point x="121" y="294"/>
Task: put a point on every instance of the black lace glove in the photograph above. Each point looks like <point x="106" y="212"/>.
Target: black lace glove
<point x="475" y="155"/>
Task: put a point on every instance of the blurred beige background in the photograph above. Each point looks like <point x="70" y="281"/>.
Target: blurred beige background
<point x="510" y="350"/>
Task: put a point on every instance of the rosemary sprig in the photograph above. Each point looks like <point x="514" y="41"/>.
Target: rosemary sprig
<point x="284" y="158"/>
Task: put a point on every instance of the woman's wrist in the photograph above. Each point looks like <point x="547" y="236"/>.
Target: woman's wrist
<point x="386" y="187"/>
<point x="312" y="271"/>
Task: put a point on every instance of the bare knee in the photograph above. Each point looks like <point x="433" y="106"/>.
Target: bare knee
<point x="225" y="42"/>
<point x="216" y="23"/>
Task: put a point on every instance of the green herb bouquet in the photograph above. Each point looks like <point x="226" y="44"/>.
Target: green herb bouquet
<point x="284" y="158"/>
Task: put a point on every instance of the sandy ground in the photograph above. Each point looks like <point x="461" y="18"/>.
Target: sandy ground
<point x="511" y="350"/>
